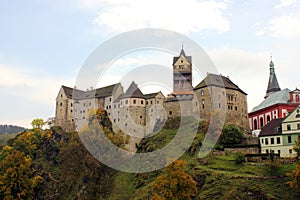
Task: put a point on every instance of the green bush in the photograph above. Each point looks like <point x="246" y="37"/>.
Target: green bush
<point x="239" y="157"/>
<point x="231" y="134"/>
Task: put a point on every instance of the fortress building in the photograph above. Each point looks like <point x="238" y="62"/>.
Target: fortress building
<point x="138" y="113"/>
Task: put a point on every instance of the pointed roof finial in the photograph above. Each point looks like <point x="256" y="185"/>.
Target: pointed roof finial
<point x="181" y="45"/>
<point x="271" y="62"/>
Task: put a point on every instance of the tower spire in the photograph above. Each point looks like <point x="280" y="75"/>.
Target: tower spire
<point x="273" y="85"/>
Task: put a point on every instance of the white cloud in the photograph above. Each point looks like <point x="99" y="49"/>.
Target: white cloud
<point x="260" y="32"/>
<point x="286" y="26"/>
<point x="29" y="85"/>
<point x="285" y="3"/>
<point x="181" y="16"/>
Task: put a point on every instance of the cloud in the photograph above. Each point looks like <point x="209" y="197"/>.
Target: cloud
<point x="181" y="16"/>
<point x="27" y="94"/>
<point x="285" y="3"/>
<point x="286" y="26"/>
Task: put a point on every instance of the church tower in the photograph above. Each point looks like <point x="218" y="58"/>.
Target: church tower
<point x="182" y="74"/>
<point x="273" y="85"/>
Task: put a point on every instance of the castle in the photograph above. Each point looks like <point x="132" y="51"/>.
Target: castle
<point x="138" y="113"/>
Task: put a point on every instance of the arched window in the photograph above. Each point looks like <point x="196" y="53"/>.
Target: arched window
<point x="255" y="124"/>
<point x="268" y="119"/>
<point x="261" y="120"/>
<point x="297" y="98"/>
<point x="298" y="116"/>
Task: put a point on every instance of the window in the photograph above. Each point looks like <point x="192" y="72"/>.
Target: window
<point x="61" y="95"/>
<point x="255" y="124"/>
<point x="141" y="117"/>
<point x="278" y="140"/>
<point x="170" y="112"/>
<point x="272" y="140"/>
<point x="126" y="102"/>
<point x="262" y="140"/>
<point x="267" y="151"/>
<point x="268" y="118"/>
<point x="60" y="104"/>
<point x="203" y="102"/>
<point x="289" y="139"/>
<point x="288" y="127"/>
<point x="235" y="108"/>
<point x="151" y="102"/>
<point x="202" y="92"/>
<point x="290" y="151"/>
<point x="298" y="116"/>
<point x="109" y="99"/>
<point x="142" y="102"/>
<point x="71" y="104"/>
<point x="279" y="152"/>
<point x="90" y="104"/>
<point x="134" y="101"/>
<point x="71" y="110"/>
<point x="261" y="122"/>
<point x="267" y="141"/>
<point x="298" y="126"/>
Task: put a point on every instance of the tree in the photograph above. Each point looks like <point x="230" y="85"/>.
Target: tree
<point x="295" y="175"/>
<point x="16" y="180"/>
<point x="231" y="134"/>
<point x="296" y="148"/>
<point x="38" y="123"/>
<point x="174" y="183"/>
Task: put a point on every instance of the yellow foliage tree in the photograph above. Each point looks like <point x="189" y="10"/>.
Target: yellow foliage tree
<point x="295" y="175"/>
<point x="15" y="181"/>
<point x="174" y="183"/>
<point x="38" y="123"/>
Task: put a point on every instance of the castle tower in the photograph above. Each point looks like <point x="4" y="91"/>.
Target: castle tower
<point x="182" y="74"/>
<point x="273" y="85"/>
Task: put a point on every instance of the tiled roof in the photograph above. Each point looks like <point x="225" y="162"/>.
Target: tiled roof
<point x="219" y="81"/>
<point x="106" y="91"/>
<point x="188" y="58"/>
<point x="69" y="91"/>
<point x="272" y="128"/>
<point x="282" y="96"/>
<point x="132" y="92"/>
<point x="151" y="95"/>
<point x="97" y="93"/>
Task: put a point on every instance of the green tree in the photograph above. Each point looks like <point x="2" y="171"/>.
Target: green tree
<point x="174" y="183"/>
<point x="296" y="148"/>
<point x="231" y="134"/>
<point x="38" y="123"/>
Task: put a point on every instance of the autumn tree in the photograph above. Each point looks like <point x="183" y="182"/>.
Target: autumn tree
<point x="38" y="123"/>
<point x="16" y="177"/>
<point x="174" y="183"/>
<point x="295" y="175"/>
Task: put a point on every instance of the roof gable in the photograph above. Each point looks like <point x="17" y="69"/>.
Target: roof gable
<point x="188" y="59"/>
<point x="272" y="128"/>
<point x="293" y="116"/>
<point x="218" y="81"/>
<point x="132" y="92"/>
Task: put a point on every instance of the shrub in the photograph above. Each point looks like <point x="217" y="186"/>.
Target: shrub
<point x="239" y="157"/>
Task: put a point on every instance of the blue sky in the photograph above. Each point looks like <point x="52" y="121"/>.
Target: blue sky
<point x="43" y="43"/>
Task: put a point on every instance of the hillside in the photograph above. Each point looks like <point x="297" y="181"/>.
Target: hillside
<point x="57" y="166"/>
<point x="9" y="131"/>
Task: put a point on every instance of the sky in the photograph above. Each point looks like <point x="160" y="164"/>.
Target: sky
<point x="44" y="43"/>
